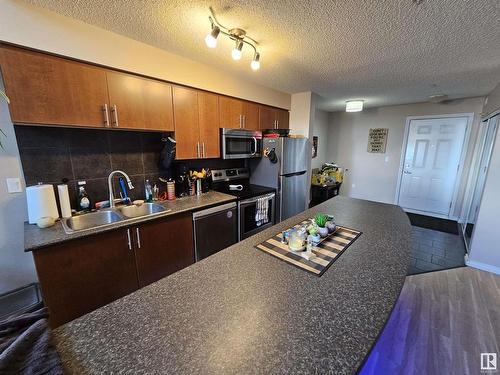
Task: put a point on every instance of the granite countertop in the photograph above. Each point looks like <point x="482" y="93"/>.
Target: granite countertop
<point x="244" y="311"/>
<point x="36" y="238"/>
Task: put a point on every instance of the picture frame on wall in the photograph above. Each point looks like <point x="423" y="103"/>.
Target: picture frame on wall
<point x="315" y="147"/>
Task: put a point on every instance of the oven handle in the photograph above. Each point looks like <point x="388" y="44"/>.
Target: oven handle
<point x="253" y="200"/>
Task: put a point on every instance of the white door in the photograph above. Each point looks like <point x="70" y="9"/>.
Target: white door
<point x="431" y="164"/>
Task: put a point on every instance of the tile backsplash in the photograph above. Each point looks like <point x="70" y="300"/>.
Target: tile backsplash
<point x="51" y="154"/>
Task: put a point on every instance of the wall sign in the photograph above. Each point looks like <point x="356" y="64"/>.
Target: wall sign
<point x="377" y="140"/>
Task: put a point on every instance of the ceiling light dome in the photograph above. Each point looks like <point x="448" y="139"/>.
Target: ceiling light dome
<point x="211" y="38"/>
<point x="354" y="105"/>
<point x="236" y="52"/>
<point x="255" y="64"/>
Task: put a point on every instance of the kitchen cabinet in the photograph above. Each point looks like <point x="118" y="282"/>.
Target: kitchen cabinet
<point x="49" y="90"/>
<point x="238" y="114"/>
<point x="208" y="115"/>
<point x="196" y="124"/>
<point x="187" y="132"/>
<point x="79" y="276"/>
<point x="273" y="118"/>
<point x="139" y="103"/>
<point x="163" y="247"/>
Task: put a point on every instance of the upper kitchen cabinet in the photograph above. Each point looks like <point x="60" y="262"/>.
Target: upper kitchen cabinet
<point x="187" y="132"/>
<point x="139" y="103"/>
<point x="238" y="114"/>
<point x="231" y="113"/>
<point x="45" y="89"/>
<point x="250" y="116"/>
<point x="196" y="124"/>
<point x="208" y="116"/>
<point x="273" y="118"/>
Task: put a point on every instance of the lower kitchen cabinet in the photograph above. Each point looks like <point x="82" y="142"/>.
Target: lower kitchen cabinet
<point x="82" y="275"/>
<point x="163" y="247"/>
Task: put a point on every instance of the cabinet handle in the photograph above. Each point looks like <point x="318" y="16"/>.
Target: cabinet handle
<point x="244" y="121"/>
<point x="240" y="122"/>
<point x="106" y="115"/>
<point x="203" y="149"/>
<point x="114" y="109"/>
<point x="277" y="124"/>
<point x="129" y="240"/>
<point x="138" y="238"/>
<point x="197" y="149"/>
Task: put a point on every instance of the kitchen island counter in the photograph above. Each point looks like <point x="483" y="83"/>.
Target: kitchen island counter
<point x="244" y="311"/>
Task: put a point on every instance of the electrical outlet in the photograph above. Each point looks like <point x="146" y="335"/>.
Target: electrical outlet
<point x="14" y="185"/>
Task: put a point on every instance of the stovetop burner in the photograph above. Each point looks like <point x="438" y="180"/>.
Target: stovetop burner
<point x="222" y="178"/>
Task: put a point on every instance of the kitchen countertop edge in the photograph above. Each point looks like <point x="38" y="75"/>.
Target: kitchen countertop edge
<point x="36" y="238"/>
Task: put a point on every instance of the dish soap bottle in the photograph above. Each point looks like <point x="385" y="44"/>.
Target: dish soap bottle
<point x="83" y="203"/>
<point x="148" y="191"/>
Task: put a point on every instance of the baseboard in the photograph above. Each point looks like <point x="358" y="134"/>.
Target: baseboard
<point x="483" y="266"/>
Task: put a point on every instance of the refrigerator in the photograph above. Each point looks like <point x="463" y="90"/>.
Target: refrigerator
<point x="283" y="167"/>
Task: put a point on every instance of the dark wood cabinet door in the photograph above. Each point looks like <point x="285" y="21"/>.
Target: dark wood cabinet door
<point x="187" y="132"/>
<point x="82" y="275"/>
<point x="267" y="117"/>
<point x="283" y="119"/>
<point x="45" y="89"/>
<point x="208" y="114"/>
<point x="231" y="112"/>
<point x="139" y="103"/>
<point x="163" y="247"/>
<point x="251" y="113"/>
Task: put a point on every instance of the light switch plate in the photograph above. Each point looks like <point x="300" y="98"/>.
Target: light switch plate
<point x="14" y="185"/>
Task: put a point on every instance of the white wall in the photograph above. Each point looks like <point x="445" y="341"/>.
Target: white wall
<point x="16" y="266"/>
<point x="321" y="130"/>
<point x="374" y="176"/>
<point x="485" y="248"/>
<point x="35" y="27"/>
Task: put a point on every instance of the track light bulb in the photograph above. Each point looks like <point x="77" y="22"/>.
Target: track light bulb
<point x="211" y="39"/>
<point x="255" y="64"/>
<point x="236" y="52"/>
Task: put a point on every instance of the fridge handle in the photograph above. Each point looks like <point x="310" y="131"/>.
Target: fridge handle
<point x="294" y="174"/>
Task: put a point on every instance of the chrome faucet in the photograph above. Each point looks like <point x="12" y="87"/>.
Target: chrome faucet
<point x="110" y="186"/>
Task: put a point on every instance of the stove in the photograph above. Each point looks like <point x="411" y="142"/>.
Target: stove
<point x="256" y="204"/>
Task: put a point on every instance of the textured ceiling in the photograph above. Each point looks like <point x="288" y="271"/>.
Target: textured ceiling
<point x="383" y="51"/>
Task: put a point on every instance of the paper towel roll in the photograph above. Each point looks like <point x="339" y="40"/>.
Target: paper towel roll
<point x="41" y="202"/>
<point x="64" y="204"/>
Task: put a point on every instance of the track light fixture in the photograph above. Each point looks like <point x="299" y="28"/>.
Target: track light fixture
<point x="239" y="36"/>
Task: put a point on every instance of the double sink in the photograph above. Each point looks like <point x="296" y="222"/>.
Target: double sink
<point x="110" y="216"/>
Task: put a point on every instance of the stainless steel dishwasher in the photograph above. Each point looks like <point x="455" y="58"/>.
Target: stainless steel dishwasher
<point x="215" y="229"/>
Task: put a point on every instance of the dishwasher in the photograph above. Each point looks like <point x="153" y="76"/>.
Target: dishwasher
<point x="215" y="229"/>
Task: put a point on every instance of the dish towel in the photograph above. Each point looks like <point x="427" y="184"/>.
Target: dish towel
<point x="261" y="212"/>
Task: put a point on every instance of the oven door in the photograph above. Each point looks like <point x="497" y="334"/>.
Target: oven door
<point x="238" y="144"/>
<point x="249" y="225"/>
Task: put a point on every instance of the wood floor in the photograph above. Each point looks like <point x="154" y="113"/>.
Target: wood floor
<point x="441" y="324"/>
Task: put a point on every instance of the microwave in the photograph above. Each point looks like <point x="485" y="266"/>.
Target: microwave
<point x="241" y="143"/>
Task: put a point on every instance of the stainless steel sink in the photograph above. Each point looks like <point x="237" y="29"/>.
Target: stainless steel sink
<point x="90" y="220"/>
<point x="143" y="210"/>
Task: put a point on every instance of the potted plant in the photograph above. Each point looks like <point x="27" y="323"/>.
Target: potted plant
<point x="321" y="220"/>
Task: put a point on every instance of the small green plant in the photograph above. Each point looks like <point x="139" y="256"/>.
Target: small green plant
<point x="321" y="220"/>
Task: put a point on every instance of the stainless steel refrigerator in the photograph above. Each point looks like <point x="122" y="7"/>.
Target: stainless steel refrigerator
<point x="283" y="166"/>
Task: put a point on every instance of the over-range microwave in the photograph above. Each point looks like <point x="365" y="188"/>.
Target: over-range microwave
<point x="241" y="143"/>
